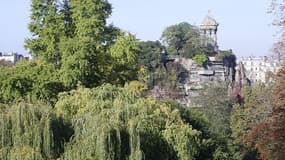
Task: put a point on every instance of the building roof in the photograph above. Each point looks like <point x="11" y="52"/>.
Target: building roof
<point x="209" y="21"/>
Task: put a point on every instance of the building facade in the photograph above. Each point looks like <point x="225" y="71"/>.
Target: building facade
<point x="11" y="57"/>
<point x="259" y="68"/>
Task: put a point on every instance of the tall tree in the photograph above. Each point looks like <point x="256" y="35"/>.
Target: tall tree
<point x="83" y="55"/>
<point x="150" y="58"/>
<point x="47" y="28"/>
<point x="66" y="12"/>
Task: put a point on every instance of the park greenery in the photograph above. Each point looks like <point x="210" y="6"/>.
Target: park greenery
<point x="184" y="39"/>
<point x="86" y="95"/>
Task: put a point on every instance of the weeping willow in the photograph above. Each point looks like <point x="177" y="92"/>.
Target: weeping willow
<point x="112" y="123"/>
<point x="104" y="123"/>
<point x="26" y="133"/>
<point x="94" y="138"/>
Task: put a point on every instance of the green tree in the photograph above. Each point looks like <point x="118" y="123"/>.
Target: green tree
<point x="123" y="61"/>
<point x="246" y="118"/>
<point x="116" y="123"/>
<point x="47" y="28"/>
<point x="73" y="36"/>
<point x="150" y="55"/>
<point x="84" y="53"/>
<point x="184" y="39"/>
<point x="66" y="15"/>
<point x="30" y="80"/>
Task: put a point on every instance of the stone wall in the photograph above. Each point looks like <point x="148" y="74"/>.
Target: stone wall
<point x="195" y="77"/>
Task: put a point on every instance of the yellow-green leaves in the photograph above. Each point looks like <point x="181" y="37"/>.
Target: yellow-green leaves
<point x="115" y="123"/>
<point x="200" y="59"/>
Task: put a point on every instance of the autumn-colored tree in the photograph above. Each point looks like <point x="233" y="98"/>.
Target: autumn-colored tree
<point x="269" y="136"/>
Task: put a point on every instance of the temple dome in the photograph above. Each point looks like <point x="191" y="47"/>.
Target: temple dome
<point x="209" y="21"/>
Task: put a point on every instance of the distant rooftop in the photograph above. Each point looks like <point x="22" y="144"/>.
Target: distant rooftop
<point x="8" y="53"/>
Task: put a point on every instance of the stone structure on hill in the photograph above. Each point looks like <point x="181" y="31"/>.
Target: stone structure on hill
<point x="208" y="31"/>
<point x="217" y="70"/>
<point x="220" y="68"/>
<point x="195" y="76"/>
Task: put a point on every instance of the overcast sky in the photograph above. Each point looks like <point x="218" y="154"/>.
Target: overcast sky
<point x="244" y="26"/>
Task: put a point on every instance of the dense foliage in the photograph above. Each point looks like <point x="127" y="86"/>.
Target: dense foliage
<point x="106" y="122"/>
<point x="30" y="80"/>
<point x="184" y="39"/>
<point x="30" y="132"/>
<point x="122" y="125"/>
<point x="215" y="103"/>
<point x="246" y="116"/>
<point x="151" y="54"/>
<point x="88" y="94"/>
<point x="80" y="44"/>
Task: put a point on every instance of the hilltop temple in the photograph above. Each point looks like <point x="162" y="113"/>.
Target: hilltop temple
<point x="208" y="31"/>
<point x="217" y="69"/>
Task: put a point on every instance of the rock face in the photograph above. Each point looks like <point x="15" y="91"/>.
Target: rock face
<point x="219" y="69"/>
<point x="240" y="77"/>
<point x="195" y="77"/>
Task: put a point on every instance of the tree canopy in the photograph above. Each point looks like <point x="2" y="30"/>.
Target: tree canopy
<point x="184" y="39"/>
<point x="89" y="93"/>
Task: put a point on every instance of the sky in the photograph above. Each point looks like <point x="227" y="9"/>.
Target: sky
<point x="244" y="26"/>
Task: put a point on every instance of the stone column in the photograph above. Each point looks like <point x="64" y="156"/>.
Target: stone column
<point x="215" y="36"/>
